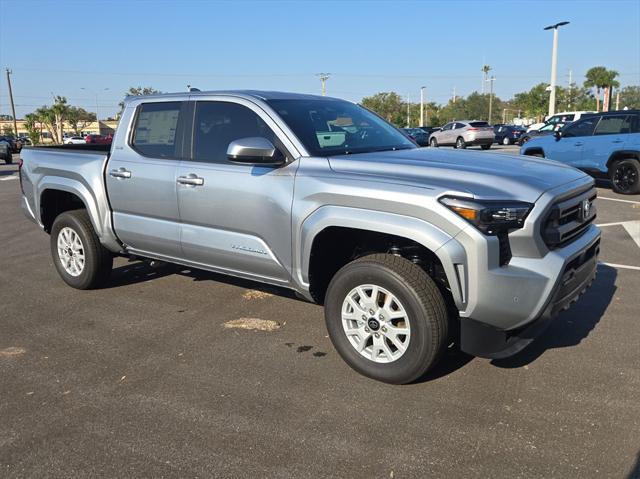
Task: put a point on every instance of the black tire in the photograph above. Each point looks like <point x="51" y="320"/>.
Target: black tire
<point x="98" y="260"/>
<point x="8" y="159"/>
<point x="485" y="147"/>
<point x="460" y="144"/>
<point x="422" y="300"/>
<point x="433" y="143"/>
<point x="625" y="176"/>
<point x="506" y="141"/>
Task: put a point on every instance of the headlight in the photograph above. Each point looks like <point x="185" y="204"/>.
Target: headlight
<point x="490" y="217"/>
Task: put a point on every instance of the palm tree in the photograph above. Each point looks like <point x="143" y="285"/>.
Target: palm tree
<point x="485" y="70"/>
<point x="599" y="78"/>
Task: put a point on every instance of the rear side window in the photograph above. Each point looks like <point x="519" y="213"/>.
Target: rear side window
<point x="613" y="125"/>
<point x="477" y="124"/>
<point x="582" y="127"/>
<point x="219" y="123"/>
<point x="155" y="131"/>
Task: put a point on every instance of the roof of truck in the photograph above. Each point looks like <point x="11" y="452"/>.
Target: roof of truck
<point x="258" y="94"/>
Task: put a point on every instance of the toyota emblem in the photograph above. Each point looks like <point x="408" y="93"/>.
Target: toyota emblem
<point x="586" y="210"/>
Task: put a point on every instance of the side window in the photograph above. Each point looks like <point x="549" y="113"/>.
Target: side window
<point x="219" y="123"/>
<point x="613" y="125"/>
<point x="635" y="123"/>
<point x="448" y="126"/>
<point x="582" y="127"/>
<point x="155" y="131"/>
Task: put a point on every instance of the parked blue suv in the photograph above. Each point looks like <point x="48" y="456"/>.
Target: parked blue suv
<point x="602" y="144"/>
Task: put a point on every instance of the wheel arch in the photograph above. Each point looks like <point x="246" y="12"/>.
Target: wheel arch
<point x="57" y="195"/>
<point x="328" y="223"/>
<point x="534" y="151"/>
<point x="622" y="154"/>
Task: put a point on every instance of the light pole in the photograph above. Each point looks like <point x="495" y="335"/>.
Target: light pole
<point x="408" y="112"/>
<point x="491" y="80"/>
<point x="422" y="105"/>
<point x="96" y="94"/>
<point x="554" y="66"/>
<point x="323" y="80"/>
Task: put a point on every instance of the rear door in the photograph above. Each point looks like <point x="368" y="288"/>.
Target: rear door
<point x="235" y="218"/>
<point x="141" y="180"/>
<point x="610" y="135"/>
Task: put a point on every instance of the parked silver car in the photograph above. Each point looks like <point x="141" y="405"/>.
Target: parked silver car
<point x="463" y="133"/>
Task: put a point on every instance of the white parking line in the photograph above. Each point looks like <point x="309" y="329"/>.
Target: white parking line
<point x="7" y="178"/>
<point x="616" y="199"/>
<point x="620" y="266"/>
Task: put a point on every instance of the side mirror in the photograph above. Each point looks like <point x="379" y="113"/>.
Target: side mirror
<point x="557" y="134"/>
<point x="254" y="150"/>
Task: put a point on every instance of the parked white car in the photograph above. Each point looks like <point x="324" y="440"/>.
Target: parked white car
<point x="563" y="117"/>
<point x="74" y="140"/>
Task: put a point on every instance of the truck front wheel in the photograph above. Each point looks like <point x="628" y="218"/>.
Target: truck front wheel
<point x="78" y="256"/>
<point x="386" y="318"/>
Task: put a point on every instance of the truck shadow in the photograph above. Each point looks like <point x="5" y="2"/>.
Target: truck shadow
<point x="571" y="326"/>
<point x="635" y="471"/>
<point x="140" y="271"/>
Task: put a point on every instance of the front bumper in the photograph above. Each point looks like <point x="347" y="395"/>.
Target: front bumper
<point x="577" y="274"/>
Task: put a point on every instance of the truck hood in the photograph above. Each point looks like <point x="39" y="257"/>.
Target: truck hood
<point x="481" y="174"/>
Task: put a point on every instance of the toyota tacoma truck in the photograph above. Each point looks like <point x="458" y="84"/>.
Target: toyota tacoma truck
<point x="410" y="250"/>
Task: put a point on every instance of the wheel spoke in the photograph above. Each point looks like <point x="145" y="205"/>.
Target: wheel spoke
<point x="384" y="346"/>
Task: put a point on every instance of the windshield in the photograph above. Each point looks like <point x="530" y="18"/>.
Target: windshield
<point x="336" y="127"/>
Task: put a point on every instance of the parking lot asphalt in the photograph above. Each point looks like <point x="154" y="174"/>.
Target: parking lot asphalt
<point x="142" y="379"/>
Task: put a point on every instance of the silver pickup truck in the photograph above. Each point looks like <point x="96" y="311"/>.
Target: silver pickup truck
<point x="409" y="249"/>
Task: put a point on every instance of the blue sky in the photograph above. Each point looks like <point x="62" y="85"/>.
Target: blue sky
<point x="61" y="46"/>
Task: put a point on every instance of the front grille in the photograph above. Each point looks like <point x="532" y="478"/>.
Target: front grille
<point x="569" y="218"/>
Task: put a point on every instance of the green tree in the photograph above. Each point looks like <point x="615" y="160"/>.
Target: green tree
<point x="31" y="125"/>
<point x="53" y="117"/>
<point x="388" y="105"/>
<point x="7" y="130"/>
<point x="137" y="91"/>
<point x="598" y="78"/>
<point x="630" y="97"/>
<point x="79" y="118"/>
<point x="6" y="117"/>
<point x="533" y="103"/>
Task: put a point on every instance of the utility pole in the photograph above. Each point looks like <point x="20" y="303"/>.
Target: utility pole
<point x="618" y="99"/>
<point x="422" y="105"/>
<point x="454" y="94"/>
<point x="323" y="80"/>
<point x="491" y="80"/>
<point x="554" y="66"/>
<point x="408" y="112"/>
<point x="13" y="106"/>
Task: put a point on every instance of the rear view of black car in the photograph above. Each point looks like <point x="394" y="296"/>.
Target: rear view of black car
<point x="508" y="134"/>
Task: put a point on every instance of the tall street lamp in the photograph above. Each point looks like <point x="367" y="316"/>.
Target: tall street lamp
<point x="96" y="94"/>
<point x="554" y="65"/>
<point x="422" y="105"/>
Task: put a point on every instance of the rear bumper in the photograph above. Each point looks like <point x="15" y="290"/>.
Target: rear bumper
<point x="481" y="141"/>
<point x="484" y="340"/>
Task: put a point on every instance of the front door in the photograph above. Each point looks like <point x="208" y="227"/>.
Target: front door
<point x="234" y="218"/>
<point x="141" y="181"/>
<point x="569" y="147"/>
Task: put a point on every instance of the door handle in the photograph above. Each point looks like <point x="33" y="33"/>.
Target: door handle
<point x="120" y="173"/>
<point x="617" y="141"/>
<point x="192" y="180"/>
<point x="578" y="144"/>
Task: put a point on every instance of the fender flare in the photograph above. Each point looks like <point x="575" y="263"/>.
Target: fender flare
<point x="621" y="152"/>
<point x="450" y="253"/>
<point x="100" y="220"/>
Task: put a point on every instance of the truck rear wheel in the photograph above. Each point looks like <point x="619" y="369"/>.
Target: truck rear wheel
<point x="78" y="256"/>
<point x="386" y="318"/>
